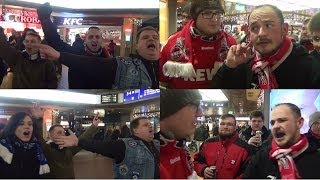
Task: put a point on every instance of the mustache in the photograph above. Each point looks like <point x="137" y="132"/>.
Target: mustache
<point x="262" y="40"/>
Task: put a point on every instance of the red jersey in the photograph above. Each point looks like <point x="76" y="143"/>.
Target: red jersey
<point x="205" y="54"/>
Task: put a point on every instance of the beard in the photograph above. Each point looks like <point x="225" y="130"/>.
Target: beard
<point x="226" y="135"/>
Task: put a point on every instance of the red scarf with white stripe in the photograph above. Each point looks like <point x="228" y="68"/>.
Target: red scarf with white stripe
<point x="284" y="156"/>
<point x="264" y="66"/>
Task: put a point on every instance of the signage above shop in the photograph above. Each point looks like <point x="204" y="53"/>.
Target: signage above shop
<point x="88" y="21"/>
<point x="72" y="21"/>
<point x="109" y="98"/>
<point x="18" y="15"/>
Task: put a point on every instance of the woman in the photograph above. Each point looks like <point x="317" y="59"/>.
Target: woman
<point x="20" y="153"/>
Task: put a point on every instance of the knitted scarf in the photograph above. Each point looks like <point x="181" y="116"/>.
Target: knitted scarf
<point x="284" y="156"/>
<point x="264" y="66"/>
<point x="183" y="47"/>
<point x="7" y="150"/>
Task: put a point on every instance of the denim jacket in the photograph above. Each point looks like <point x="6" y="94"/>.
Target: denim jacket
<point x="131" y="74"/>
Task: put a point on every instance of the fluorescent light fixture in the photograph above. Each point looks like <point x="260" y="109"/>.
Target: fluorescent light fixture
<point x="242" y="118"/>
<point x="64" y="123"/>
<point x="212" y="95"/>
<point x="52" y="95"/>
<point x="101" y="4"/>
<point x="284" y="5"/>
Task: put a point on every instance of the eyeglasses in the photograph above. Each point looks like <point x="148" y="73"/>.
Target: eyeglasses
<point x="211" y="14"/>
<point x="316" y="38"/>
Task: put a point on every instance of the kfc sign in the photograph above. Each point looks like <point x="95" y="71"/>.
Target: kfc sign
<point x="72" y="21"/>
<point x="10" y="17"/>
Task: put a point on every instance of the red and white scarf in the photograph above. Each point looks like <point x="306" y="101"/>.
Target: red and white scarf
<point x="284" y="156"/>
<point x="185" y="48"/>
<point x="264" y="66"/>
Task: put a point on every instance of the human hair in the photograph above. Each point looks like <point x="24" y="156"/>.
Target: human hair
<point x="10" y="128"/>
<point x="147" y="28"/>
<point x="186" y="8"/>
<point x="314" y="23"/>
<point x="225" y="116"/>
<point x="306" y="21"/>
<point x="274" y="8"/>
<point x="294" y="108"/>
<point x="125" y="131"/>
<point x="256" y="114"/>
<point x="94" y="27"/>
<point x="54" y="126"/>
<point x="35" y="35"/>
<point x="135" y="123"/>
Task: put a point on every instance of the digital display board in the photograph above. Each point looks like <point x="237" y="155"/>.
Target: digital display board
<point x="109" y="98"/>
<point x="131" y="95"/>
<point x="148" y="93"/>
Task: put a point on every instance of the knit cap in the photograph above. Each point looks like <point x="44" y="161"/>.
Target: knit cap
<point x="313" y="118"/>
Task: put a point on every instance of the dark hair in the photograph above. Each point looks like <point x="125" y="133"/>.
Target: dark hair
<point x="54" y="126"/>
<point x="294" y="108"/>
<point x="125" y="131"/>
<point x="135" y="123"/>
<point x="94" y="27"/>
<point x="314" y="23"/>
<point x="256" y="114"/>
<point x="274" y="8"/>
<point x="13" y="123"/>
<point x="224" y="116"/>
<point x="147" y="28"/>
<point x="34" y="34"/>
<point x="186" y="8"/>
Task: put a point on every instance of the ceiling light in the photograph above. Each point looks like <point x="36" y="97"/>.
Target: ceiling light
<point x="52" y="95"/>
<point x="212" y="95"/>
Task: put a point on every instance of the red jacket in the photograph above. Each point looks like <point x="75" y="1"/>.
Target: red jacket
<point x="207" y="55"/>
<point x="229" y="157"/>
<point x="175" y="161"/>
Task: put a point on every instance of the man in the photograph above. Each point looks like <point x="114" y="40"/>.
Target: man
<point x="193" y="55"/>
<point x="91" y="47"/>
<point x="133" y="158"/>
<point x="78" y="43"/>
<point x="275" y="62"/>
<point x="250" y="136"/>
<point x="112" y="47"/>
<point x="314" y="29"/>
<point x="135" y="72"/>
<point x="60" y="160"/>
<point x="227" y="152"/>
<point x="305" y="39"/>
<point x="289" y="155"/>
<point x="185" y="15"/>
<point x="313" y="134"/>
<point x="29" y="69"/>
<point x="179" y="112"/>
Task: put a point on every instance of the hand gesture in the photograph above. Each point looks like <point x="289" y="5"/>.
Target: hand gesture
<point x="66" y="141"/>
<point x="238" y="54"/>
<point x="47" y="52"/>
<point x="208" y="174"/>
<point x="254" y="141"/>
<point x="44" y="10"/>
<point x="36" y="111"/>
<point x="96" y="120"/>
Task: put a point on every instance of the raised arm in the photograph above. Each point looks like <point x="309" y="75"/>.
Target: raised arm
<point x="9" y="54"/>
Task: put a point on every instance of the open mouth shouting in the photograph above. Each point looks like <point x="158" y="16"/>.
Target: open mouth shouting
<point x="151" y="46"/>
<point x="278" y="135"/>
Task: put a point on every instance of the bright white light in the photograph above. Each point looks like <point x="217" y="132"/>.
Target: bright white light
<point x="64" y="123"/>
<point x="284" y="5"/>
<point x="242" y="118"/>
<point x="101" y="124"/>
<point x="52" y="95"/>
<point x="212" y="95"/>
<point x="101" y="4"/>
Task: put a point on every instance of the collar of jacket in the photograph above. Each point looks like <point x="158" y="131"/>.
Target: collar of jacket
<point x="227" y="141"/>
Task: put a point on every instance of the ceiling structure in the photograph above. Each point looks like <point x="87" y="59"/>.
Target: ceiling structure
<point x="240" y="101"/>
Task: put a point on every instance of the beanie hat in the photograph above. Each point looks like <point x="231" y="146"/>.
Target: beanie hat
<point x="313" y="118"/>
<point x="197" y="6"/>
<point x="172" y="100"/>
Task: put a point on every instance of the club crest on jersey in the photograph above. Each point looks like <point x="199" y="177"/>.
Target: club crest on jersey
<point x="178" y="51"/>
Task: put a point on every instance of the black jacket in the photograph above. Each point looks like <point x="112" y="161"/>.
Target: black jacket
<point x="262" y="167"/>
<point x="299" y="70"/>
<point x="313" y="142"/>
<point x="315" y="54"/>
<point x="246" y="135"/>
<point x="77" y="79"/>
<point x="24" y="165"/>
<point x="100" y="69"/>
